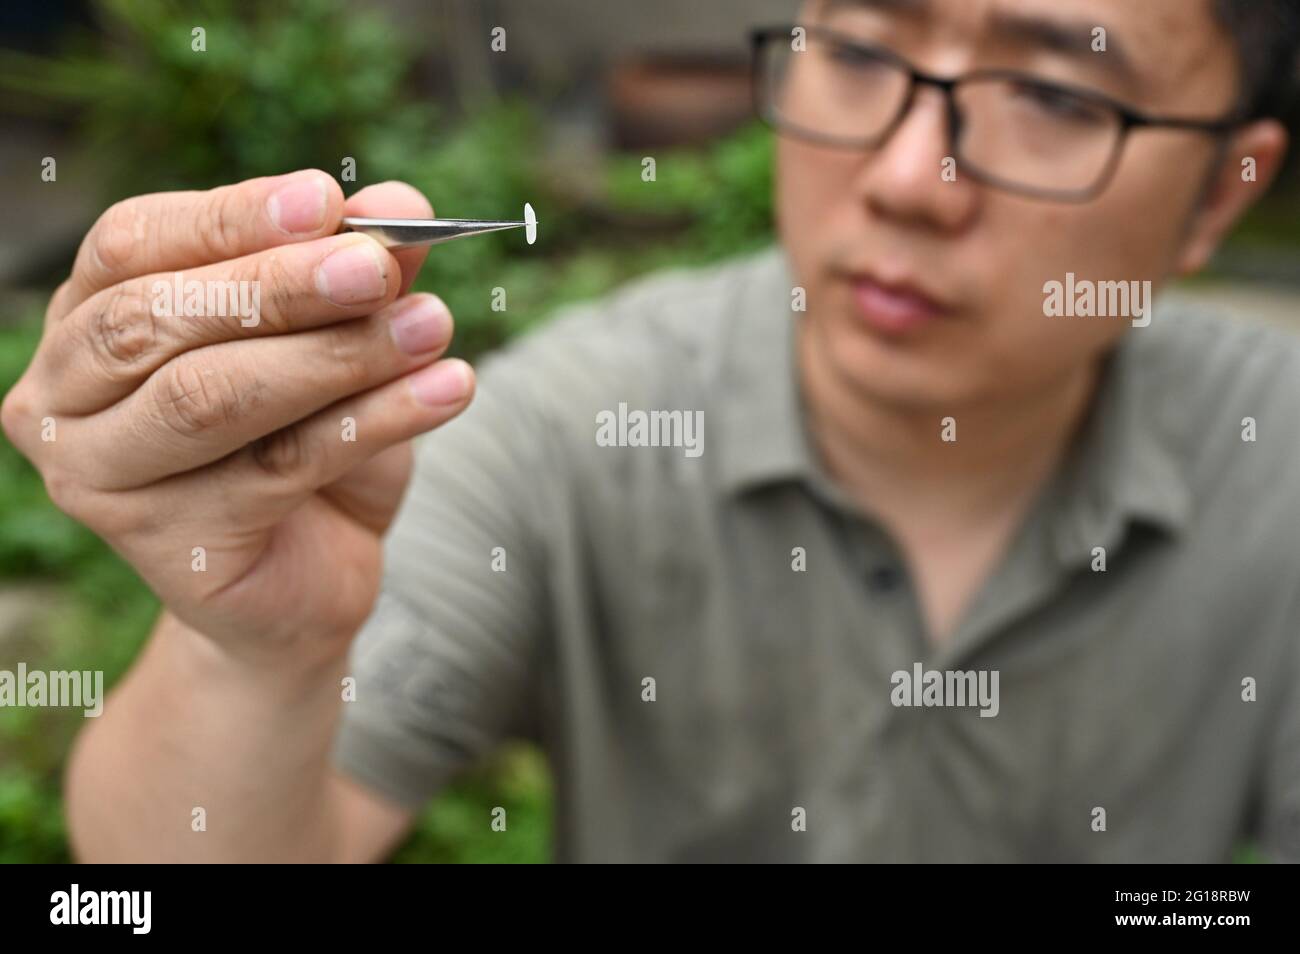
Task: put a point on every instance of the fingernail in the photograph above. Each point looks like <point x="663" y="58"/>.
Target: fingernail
<point x="299" y="206"/>
<point x="422" y="324"/>
<point x="352" y="274"/>
<point x="444" y="383"/>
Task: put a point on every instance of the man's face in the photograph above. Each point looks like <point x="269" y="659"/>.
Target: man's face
<point x="861" y="225"/>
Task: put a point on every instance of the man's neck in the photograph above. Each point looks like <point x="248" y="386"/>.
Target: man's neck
<point x="893" y="461"/>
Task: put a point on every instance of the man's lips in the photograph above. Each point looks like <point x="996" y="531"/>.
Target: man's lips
<point x="894" y="308"/>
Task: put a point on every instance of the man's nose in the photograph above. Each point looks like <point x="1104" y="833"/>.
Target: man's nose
<point x="913" y="175"/>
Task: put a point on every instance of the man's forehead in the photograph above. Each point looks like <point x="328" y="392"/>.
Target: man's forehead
<point x="1152" y="43"/>
<point x="1147" y="10"/>
<point x="1154" y="20"/>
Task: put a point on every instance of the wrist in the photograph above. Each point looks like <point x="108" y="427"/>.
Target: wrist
<point x="288" y="670"/>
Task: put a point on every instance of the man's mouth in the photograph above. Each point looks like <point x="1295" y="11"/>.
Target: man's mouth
<point x="894" y="308"/>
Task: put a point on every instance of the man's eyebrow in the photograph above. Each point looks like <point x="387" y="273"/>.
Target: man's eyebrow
<point x="1071" y="38"/>
<point x="887" y="6"/>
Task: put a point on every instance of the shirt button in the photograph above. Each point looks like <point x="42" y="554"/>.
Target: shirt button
<point x="884" y="578"/>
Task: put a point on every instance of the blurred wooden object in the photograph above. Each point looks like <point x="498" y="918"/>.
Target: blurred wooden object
<point x="677" y="99"/>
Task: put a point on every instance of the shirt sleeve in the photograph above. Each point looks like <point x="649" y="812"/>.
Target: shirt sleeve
<point x="1279" y="830"/>
<point x="445" y="665"/>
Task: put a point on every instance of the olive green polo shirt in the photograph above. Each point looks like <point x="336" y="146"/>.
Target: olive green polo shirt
<point x="713" y="648"/>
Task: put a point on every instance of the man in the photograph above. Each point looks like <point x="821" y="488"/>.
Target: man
<point x="918" y="540"/>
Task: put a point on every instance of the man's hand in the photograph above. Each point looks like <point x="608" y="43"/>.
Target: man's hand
<point x="174" y="433"/>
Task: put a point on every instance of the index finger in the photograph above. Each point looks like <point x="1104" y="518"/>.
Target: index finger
<point x="395" y="200"/>
<point x="172" y="231"/>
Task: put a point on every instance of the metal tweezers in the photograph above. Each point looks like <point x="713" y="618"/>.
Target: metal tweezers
<point x="406" y="233"/>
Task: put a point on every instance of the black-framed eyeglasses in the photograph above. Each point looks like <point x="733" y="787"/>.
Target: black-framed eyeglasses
<point x="1008" y="129"/>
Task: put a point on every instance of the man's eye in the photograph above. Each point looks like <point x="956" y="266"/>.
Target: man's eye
<point x="1057" y="103"/>
<point x="854" y="57"/>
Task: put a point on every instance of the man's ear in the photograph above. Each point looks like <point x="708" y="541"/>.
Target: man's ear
<point x="1250" y="162"/>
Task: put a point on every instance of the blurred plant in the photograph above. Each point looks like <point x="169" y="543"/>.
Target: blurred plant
<point x="31" y="828"/>
<point x="725" y="191"/>
<point x="269" y="93"/>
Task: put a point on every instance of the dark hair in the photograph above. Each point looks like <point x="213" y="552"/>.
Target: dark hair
<point x="1267" y="35"/>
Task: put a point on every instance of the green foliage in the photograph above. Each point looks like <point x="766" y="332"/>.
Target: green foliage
<point x="725" y="193"/>
<point x="705" y="205"/>
<point x="270" y="93"/>
<point x="457" y="827"/>
<point x="31" y="821"/>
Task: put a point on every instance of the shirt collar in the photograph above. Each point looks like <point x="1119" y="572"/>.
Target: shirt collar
<point x="1121" y="468"/>
<point x="762" y="432"/>
<point x="1118" y="469"/>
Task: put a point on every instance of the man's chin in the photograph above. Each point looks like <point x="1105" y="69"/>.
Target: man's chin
<point x="889" y="373"/>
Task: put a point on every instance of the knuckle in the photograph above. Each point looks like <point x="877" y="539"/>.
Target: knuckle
<point x="79" y="500"/>
<point x="65" y="492"/>
<point x="282" y="454"/>
<point x="123" y="329"/>
<point x="219" y="226"/>
<point x="348" y="351"/>
<point x="115" y="237"/>
<point x="193" y="400"/>
<point x="276" y="288"/>
<point x="60" y="301"/>
<point x="15" y="413"/>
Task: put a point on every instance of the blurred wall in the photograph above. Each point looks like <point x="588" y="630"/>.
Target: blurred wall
<point x="553" y="43"/>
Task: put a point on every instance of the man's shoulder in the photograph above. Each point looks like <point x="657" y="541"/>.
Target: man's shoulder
<point x="657" y="333"/>
<point x="1224" y="393"/>
<point x="673" y="308"/>
<point x="1217" y="361"/>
